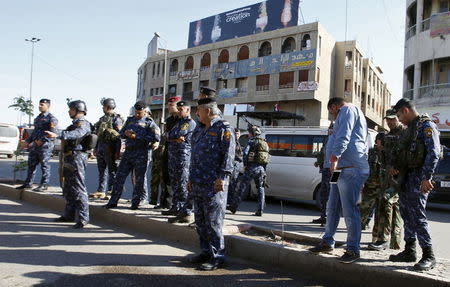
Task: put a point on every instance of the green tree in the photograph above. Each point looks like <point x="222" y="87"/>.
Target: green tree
<point x="23" y="105"/>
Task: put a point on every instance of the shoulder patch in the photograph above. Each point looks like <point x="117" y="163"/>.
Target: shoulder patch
<point x="227" y="135"/>
<point x="184" y="127"/>
<point x="79" y="124"/>
<point x="213" y="134"/>
<point x="428" y="132"/>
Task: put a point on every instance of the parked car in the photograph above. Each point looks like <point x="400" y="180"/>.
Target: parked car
<point x="26" y="133"/>
<point x="441" y="178"/>
<point x="9" y="139"/>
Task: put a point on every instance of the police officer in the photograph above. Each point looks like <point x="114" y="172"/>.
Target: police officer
<point x="388" y="210"/>
<point x="256" y="156"/>
<point x="40" y="147"/>
<point x="420" y="149"/>
<point x="212" y="161"/>
<point x="139" y="132"/>
<point x="77" y="143"/>
<point x="206" y="92"/>
<point x="108" y="147"/>
<point x="233" y="195"/>
<point x="180" y="138"/>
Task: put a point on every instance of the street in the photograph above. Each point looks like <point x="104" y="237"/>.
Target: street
<point x="288" y="216"/>
<point x="35" y="251"/>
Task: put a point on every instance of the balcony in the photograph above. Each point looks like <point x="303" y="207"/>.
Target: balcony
<point x="425" y="25"/>
<point x="204" y="69"/>
<point x="262" y="88"/>
<point x="173" y="73"/>
<point x="410" y="32"/>
<point x="286" y="86"/>
<point x="434" y="91"/>
<point x="242" y="90"/>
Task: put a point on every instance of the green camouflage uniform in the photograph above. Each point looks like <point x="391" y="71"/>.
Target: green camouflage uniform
<point x="388" y="210"/>
<point x="372" y="188"/>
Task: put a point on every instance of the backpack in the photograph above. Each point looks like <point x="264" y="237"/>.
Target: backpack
<point x="259" y="154"/>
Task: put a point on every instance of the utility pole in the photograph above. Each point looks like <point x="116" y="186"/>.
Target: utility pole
<point x="33" y="40"/>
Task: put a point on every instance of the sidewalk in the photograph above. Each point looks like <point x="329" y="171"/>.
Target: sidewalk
<point x="290" y="254"/>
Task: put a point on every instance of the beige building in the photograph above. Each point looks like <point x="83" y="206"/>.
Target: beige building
<point x="427" y="58"/>
<point x="322" y="72"/>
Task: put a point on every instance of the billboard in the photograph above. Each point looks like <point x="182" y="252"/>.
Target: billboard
<point x="440" y="24"/>
<point x="257" y="18"/>
<point x="293" y="61"/>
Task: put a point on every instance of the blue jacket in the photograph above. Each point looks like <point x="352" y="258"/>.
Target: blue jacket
<point x="212" y="154"/>
<point x="183" y="128"/>
<point x="350" y="138"/>
<point x="146" y="132"/>
<point x="43" y="122"/>
<point x="428" y="132"/>
<point x="79" y="129"/>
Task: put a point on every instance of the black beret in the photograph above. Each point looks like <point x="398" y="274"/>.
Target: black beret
<point x="402" y="103"/>
<point x="183" y="104"/>
<point x="45" y="101"/>
<point x="390" y="114"/>
<point x="208" y="91"/>
<point x="206" y="101"/>
<point x="140" y="105"/>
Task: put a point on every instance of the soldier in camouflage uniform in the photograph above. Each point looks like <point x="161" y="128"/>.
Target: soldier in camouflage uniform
<point x="388" y="210"/>
<point x="419" y="150"/>
<point x="372" y="188"/>
<point x="212" y="161"/>
<point x="108" y="147"/>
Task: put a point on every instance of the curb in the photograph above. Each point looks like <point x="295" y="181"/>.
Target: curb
<point x="239" y="246"/>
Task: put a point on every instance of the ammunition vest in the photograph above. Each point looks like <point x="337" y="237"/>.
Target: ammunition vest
<point x="259" y="152"/>
<point x="411" y="150"/>
<point x="105" y="129"/>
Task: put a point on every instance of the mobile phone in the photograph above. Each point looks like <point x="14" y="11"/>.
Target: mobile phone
<point x="335" y="176"/>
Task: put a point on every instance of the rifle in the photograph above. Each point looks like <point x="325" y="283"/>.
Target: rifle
<point x="61" y="163"/>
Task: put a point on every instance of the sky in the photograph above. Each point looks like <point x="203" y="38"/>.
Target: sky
<point x="92" y="49"/>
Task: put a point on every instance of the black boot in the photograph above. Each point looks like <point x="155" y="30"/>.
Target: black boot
<point x="25" y="185"/>
<point x="407" y="255"/>
<point x="428" y="261"/>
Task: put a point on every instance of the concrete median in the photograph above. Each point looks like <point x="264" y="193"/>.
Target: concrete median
<point x="289" y="254"/>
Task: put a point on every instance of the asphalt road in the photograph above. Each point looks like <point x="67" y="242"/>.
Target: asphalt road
<point x="294" y="217"/>
<point x="35" y="251"/>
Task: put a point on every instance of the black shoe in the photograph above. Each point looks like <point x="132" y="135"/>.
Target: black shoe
<point x="321" y="247"/>
<point x="41" y="188"/>
<point x="428" y="260"/>
<point x="232" y="209"/>
<point x="349" y="257"/>
<point x="79" y="225"/>
<point x="407" y="255"/>
<point x="134" y="207"/>
<point x="181" y="218"/>
<point x="159" y="206"/>
<point x="110" y="205"/>
<point x="212" y="265"/>
<point x="199" y="258"/>
<point x="62" y="219"/>
<point x="258" y="213"/>
<point x="169" y="212"/>
<point x="378" y="246"/>
<point x="23" y="186"/>
<point x="320" y="220"/>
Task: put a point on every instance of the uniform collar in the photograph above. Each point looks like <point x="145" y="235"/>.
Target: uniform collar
<point x="45" y="114"/>
<point x="77" y="120"/>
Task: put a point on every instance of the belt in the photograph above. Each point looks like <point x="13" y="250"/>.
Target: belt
<point x="133" y="148"/>
<point x="343" y="167"/>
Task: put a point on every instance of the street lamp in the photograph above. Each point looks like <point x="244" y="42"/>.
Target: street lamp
<point x="163" y="114"/>
<point x="33" y="40"/>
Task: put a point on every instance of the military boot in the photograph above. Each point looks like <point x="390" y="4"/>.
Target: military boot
<point x="407" y="255"/>
<point x="97" y="194"/>
<point x="428" y="260"/>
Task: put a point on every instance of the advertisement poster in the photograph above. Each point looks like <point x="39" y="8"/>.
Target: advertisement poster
<point x="257" y="18"/>
<point x="440" y="24"/>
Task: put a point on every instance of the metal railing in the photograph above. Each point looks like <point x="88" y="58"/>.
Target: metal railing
<point x="173" y="73"/>
<point x="242" y="90"/>
<point x="262" y="88"/>
<point x="286" y="86"/>
<point x="410" y="32"/>
<point x="204" y="68"/>
<point x="425" y="25"/>
<point x="432" y="91"/>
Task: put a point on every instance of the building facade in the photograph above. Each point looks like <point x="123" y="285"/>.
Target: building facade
<point x="427" y="58"/>
<point x="296" y="69"/>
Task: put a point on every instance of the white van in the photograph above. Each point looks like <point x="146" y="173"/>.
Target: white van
<point x="9" y="139"/>
<point x="291" y="173"/>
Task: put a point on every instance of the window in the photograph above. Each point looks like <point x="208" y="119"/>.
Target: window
<point x="303" y="76"/>
<point x="189" y="64"/>
<point x="306" y="42"/>
<point x="348" y="59"/>
<point x="265" y="49"/>
<point x="157" y="71"/>
<point x="262" y="82"/>
<point x="288" y="45"/>
<point x="347" y="86"/>
<point x="320" y="45"/>
<point x="286" y="80"/>
<point x="187" y="91"/>
<point x="444" y="6"/>
<point x="295" y="145"/>
<point x="173" y="67"/>
<point x="364" y="72"/>
<point x="221" y="84"/>
<point x="153" y="70"/>
<point x="173" y="89"/>
<point x="224" y="57"/>
<point x="151" y="92"/>
<point x="243" y="53"/>
<point x="318" y="75"/>
<point x="205" y="62"/>
<point x="241" y="85"/>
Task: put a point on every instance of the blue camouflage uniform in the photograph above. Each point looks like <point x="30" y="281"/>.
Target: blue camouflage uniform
<point x="179" y="161"/>
<point x="254" y="171"/>
<point x="75" y="161"/>
<point x="41" y="154"/>
<point x="212" y="158"/>
<point x="105" y="152"/>
<point x="412" y="200"/>
<point x="135" y="158"/>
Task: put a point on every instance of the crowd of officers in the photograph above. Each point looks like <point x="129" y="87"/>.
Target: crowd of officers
<point x="402" y="164"/>
<point x="195" y="168"/>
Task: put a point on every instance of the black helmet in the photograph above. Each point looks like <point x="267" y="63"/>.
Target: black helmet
<point x="110" y="103"/>
<point x="78" y="105"/>
<point x="254" y="130"/>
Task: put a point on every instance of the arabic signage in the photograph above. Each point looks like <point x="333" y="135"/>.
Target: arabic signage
<point x="439" y="115"/>
<point x="440" y="24"/>
<point x="273" y="64"/>
<point x="307" y="86"/>
<point x="257" y="18"/>
<point x="157" y="100"/>
<point x="188" y="75"/>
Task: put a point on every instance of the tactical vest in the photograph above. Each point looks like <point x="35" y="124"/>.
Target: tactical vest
<point x="259" y="152"/>
<point x="373" y="181"/>
<point x="411" y="150"/>
<point x="105" y="130"/>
